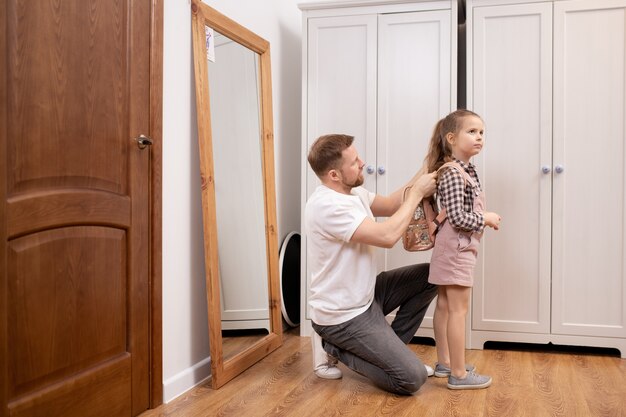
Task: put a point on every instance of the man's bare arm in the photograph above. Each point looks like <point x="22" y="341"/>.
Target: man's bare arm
<point x="385" y="206"/>
<point x="385" y="234"/>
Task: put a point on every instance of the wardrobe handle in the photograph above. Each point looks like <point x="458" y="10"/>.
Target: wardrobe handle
<point x="369" y="169"/>
<point x="381" y="170"/>
<point x="546" y="169"/>
<point x="558" y="169"/>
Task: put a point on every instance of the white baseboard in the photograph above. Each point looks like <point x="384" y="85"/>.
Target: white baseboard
<point x="185" y="380"/>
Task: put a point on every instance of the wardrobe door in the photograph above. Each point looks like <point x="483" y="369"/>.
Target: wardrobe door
<point x="589" y="269"/>
<point x="340" y="94"/>
<point x="414" y="91"/>
<point x="341" y="89"/>
<point x="511" y="89"/>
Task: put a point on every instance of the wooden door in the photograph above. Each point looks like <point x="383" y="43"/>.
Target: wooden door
<point x="589" y="237"/>
<point x="512" y="91"/>
<point x="74" y="207"/>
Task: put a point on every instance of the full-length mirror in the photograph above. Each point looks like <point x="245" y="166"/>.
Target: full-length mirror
<point x="234" y="106"/>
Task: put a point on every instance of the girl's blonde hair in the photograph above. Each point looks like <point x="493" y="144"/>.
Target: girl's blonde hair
<point x="439" y="151"/>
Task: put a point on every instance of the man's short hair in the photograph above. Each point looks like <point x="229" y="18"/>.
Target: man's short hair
<point x="326" y="153"/>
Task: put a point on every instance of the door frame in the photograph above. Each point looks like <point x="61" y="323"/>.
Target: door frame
<point x="156" y="172"/>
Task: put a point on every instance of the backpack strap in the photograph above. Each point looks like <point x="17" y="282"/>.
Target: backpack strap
<point x="455" y="165"/>
<point x="433" y="226"/>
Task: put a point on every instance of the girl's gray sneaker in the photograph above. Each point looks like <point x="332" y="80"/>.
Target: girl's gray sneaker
<point x="471" y="381"/>
<point x="442" y="371"/>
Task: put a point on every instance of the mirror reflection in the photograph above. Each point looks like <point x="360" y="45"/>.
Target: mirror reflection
<point x="236" y="150"/>
<point x="234" y="93"/>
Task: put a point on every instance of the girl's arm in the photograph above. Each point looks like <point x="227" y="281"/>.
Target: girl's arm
<point x="451" y="189"/>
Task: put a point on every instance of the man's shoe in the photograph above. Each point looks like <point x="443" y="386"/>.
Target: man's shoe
<point x="471" y="381"/>
<point x="442" y="371"/>
<point x="329" y="369"/>
<point x="324" y="365"/>
<point x="430" y="371"/>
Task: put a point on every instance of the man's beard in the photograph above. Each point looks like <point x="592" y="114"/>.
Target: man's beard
<point x="357" y="183"/>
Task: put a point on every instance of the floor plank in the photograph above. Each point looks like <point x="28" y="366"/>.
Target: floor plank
<point x="533" y="382"/>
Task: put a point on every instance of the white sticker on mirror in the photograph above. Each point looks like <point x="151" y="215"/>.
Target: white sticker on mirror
<point x="210" y="43"/>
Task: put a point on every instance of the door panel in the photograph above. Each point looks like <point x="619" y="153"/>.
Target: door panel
<point x="67" y="87"/>
<point x="342" y="85"/>
<point x="512" y="92"/>
<point x="75" y="199"/>
<point x="406" y="120"/>
<point x="589" y="293"/>
<point x="341" y="89"/>
<point x="100" y="391"/>
<point x="66" y="312"/>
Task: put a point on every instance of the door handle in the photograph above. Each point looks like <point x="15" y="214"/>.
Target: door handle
<point x="143" y="141"/>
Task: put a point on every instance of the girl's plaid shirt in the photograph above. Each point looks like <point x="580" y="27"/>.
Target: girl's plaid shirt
<point x="458" y="198"/>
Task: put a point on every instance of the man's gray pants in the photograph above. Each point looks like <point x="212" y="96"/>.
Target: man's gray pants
<point x="370" y="346"/>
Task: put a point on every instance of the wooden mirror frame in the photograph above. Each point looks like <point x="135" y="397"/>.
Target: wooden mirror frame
<point x="222" y="370"/>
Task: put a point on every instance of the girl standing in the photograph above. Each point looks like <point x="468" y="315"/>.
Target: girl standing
<point x="456" y="139"/>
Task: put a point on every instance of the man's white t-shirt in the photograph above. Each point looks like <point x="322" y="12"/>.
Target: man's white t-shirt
<point x="343" y="274"/>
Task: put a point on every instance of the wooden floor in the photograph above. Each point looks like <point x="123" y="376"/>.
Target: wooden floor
<point x="527" y="381"/>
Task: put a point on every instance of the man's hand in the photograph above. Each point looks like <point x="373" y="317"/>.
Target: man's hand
<point x="425" y="185"/>
<point x="385" y="234"/>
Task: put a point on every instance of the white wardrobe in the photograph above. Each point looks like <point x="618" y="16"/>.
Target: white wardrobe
<point x="384" y="72"/>
<point x="549" y="79"/>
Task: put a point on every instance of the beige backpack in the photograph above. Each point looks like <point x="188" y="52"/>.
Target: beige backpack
<point x="427" y="218"/>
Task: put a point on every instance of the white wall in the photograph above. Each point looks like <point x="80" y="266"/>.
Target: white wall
<point x="185" y="329"/>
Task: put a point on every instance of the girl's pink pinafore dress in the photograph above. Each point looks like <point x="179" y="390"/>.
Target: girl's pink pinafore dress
<point x="455" y="252"/>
